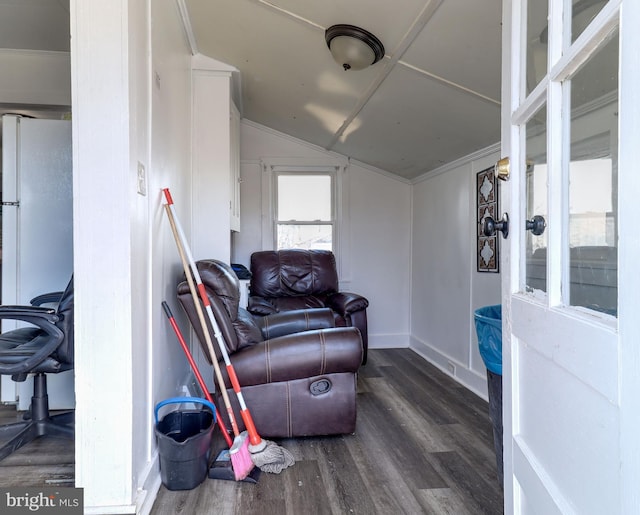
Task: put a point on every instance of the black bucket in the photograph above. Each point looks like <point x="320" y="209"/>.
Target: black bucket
<point x="184" y="443"/>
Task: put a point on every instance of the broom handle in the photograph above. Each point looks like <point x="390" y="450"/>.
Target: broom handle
<point x="181" y="250"/>
<point x="194" y="367"/>
<point x="254" y="437"/>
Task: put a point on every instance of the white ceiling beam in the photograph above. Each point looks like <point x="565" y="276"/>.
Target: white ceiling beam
<point x="449" y="83"/>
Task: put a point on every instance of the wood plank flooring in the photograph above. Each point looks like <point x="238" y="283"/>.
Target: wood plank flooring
<point x="46" y="461"/>
<point x="423" y="444"/>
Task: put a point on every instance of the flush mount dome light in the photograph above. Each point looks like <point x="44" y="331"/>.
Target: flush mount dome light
<point x="352" y="47"/>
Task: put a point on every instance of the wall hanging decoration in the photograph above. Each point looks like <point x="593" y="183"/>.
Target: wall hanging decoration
<point x="487" y="205"/>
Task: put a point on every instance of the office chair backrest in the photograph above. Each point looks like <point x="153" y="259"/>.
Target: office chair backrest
<point x="64" y="353"/>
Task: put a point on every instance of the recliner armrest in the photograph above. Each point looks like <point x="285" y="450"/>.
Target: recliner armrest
<point x="295" y="321"/>
<point x="298" y="356"/>
<point x="345" y="303"/>
<point x="260" y="306"/>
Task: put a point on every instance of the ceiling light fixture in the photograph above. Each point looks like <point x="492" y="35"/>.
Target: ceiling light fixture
<point x="352" y="47"/>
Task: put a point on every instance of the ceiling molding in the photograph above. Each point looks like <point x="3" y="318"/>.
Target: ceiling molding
<point x="329" y="153"/>
<point x="293" y="139"/>
<point x="474" y="156"/>
<point x="186" y="25"/>
<point x="380" y="171"/>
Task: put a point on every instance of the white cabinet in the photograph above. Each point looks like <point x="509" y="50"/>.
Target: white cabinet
<point x="215" y="186"/>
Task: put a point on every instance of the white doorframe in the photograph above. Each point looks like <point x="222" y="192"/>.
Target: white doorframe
<point x="629" y="287"/>
<point x="507" y="279"/>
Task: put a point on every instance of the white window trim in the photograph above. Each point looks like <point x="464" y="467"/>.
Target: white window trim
<point x="338" y="167"/>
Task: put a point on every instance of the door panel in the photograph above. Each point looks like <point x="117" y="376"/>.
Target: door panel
<point x="584" y="348"/>
<point x="565" y="429"/>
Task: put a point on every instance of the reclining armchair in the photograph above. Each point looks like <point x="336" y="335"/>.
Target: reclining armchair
<point x="297" y="371"/>
<point x="282" y="280"/>
<point x="44" y="347"/>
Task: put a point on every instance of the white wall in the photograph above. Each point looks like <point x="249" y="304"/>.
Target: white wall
<point x="169" y="82"/>
<point x="376" y="260"/>
<point x="35" y="77"/>
<point x="446" y="285"/>
<point x="131" y="106"/>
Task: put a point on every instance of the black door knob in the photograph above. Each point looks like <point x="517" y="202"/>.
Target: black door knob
<point x="490" y="226"/>
<point x="536" y="225"/>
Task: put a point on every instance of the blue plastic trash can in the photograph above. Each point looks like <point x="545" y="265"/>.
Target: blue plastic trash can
<point x="488" y="322"/>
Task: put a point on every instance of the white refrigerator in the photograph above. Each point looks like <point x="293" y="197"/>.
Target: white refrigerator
<point x="37" y="230"/>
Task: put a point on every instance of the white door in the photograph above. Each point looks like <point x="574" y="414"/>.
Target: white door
<point x="570" y="75"/>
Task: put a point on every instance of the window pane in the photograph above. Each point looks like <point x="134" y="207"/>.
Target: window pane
<point x="582" y="12"/>
<point x="304" y="198"/>
<point x="593" y="193"/>
<point x="310" y="236"/>
<point x="537" y="204"/>
<point x="537" y="42"/>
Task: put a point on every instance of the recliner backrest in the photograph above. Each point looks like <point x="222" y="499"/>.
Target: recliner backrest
<point x="237" y="327"/>
<point x="293" y="272"/>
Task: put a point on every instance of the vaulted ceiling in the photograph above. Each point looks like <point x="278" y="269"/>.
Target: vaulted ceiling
<point x="433" y="98"/>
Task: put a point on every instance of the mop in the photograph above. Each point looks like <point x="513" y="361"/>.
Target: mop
<point x="239" y="451"/>
<point x="265" y="454"/>
<point x="222" y="466"/>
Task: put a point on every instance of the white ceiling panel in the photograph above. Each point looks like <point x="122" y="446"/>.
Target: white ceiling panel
<point x="412" y="125"/>
<point x="461" y="44"/>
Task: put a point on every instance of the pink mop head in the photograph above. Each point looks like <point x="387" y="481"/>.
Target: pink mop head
<point x="241" y="457"/>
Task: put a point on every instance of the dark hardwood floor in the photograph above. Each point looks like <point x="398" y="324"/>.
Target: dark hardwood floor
<point x="423" y="444"/>
<point x="43" y="462"/>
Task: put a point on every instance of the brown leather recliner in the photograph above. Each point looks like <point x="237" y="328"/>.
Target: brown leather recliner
<point x="297" y="371"/>
<point x="288" y="279"/>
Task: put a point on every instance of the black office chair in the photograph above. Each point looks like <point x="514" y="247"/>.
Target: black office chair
<point x="45" y="348"/>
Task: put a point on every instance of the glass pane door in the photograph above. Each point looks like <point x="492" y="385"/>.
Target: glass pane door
<point x="593" y="192"/>
<point x="536" y="180"/>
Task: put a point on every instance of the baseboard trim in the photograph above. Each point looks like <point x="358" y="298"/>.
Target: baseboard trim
<point x="468" y="378"/>
<point x="147" y="495"/>
<point x="388" y="341"/>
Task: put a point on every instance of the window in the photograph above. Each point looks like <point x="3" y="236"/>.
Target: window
<point x="302" y="206"/>
<point x="305" y="210"/>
